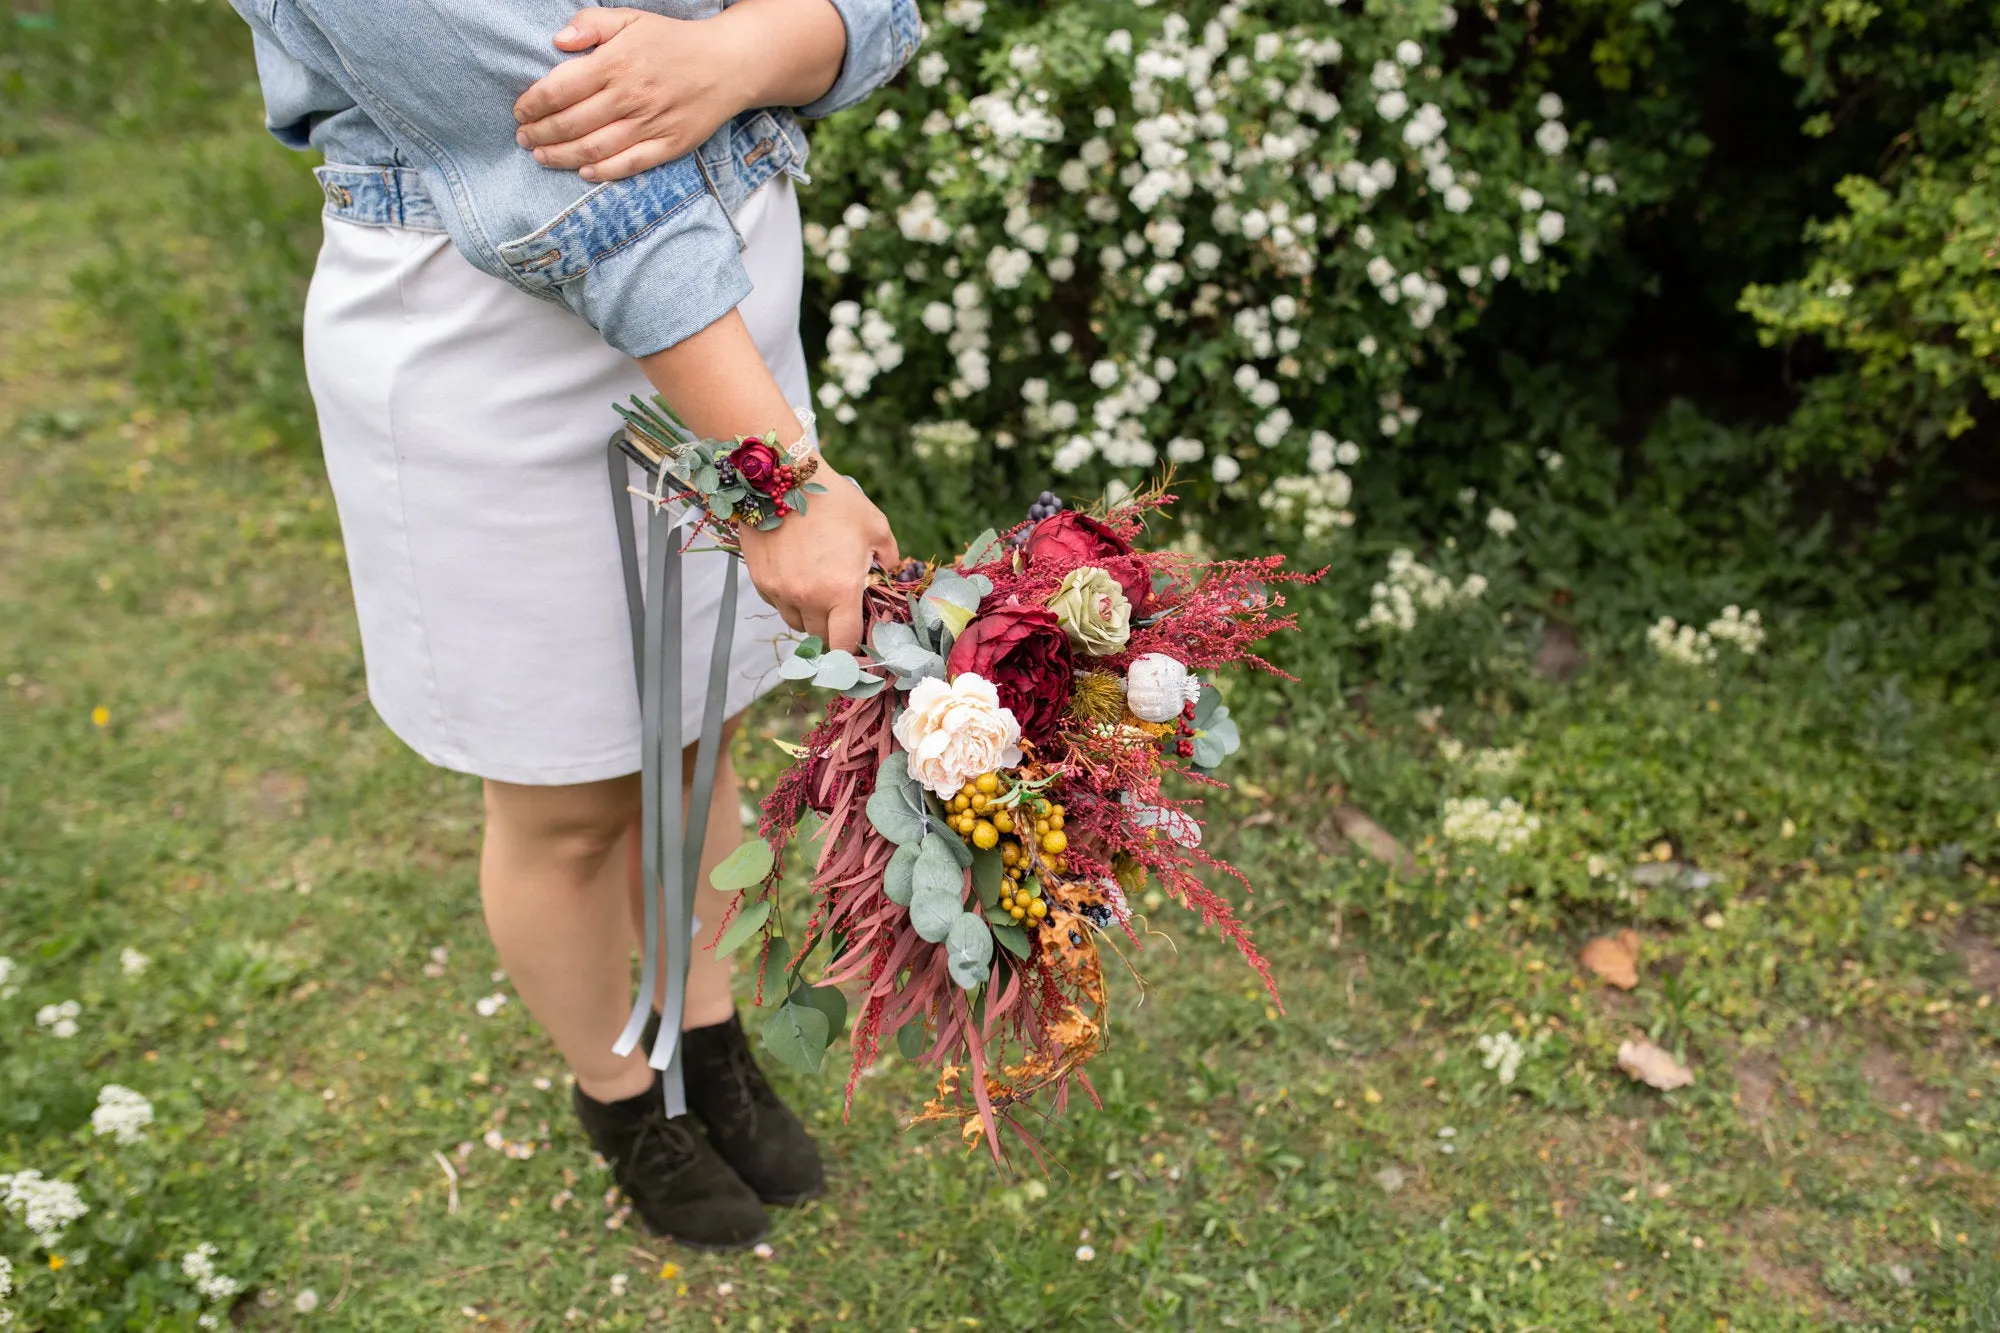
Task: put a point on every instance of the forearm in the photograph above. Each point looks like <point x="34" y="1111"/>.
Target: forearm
<point x="717" y="382"/>
<point x="789" y="51"/>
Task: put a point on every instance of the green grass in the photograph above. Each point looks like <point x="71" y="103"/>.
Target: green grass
<point x="241" y="818"/>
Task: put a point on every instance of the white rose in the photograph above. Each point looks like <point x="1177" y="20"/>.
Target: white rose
<point x="953" y="733"/>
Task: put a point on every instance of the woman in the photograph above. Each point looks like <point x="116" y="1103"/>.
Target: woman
<point x="477" y="307"/>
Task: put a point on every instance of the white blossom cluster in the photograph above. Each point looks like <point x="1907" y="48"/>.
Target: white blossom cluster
<point x="947" y="443"/>
<point x="8" y="985"/>
<point x="45" y="1207"/>
<point x="133" y="963"/>
<point x="1503" y="1053"/>
<point x="6" y="1289"/>
<point x="1085" y="215"/>
<point x="198" y="1267"/>
<point x="1504" y="824"/>
<point x="1486" y="763"/>
<point x="59" y="1020"/>
<point x="1688" y="646"/>
<point x="121" y="1113"/>
<point x="1413" y="587"/>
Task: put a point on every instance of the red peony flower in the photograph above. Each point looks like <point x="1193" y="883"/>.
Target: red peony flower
<point x="1070" y="539"/>
<point x="1075" y="539"/>
<point x="1023" y="651"/>
<point x="756" y="462"/>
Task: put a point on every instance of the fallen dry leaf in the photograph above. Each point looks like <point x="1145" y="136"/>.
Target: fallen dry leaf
<point x="1653" y="1066"/>
<point x="1373" y="839"/>
<point x="1614" y="957"/>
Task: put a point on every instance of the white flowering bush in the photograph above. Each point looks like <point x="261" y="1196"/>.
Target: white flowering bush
<point x="1106" y="237"/>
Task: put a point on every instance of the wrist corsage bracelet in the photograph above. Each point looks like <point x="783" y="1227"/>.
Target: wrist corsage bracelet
<point x="751" y="481"/>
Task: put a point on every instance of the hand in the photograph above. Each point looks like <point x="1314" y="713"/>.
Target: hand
<point x="813" y="566"/>
<point x="653" y="90"/>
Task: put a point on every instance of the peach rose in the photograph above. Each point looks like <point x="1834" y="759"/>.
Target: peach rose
<point x="955" y="732"/>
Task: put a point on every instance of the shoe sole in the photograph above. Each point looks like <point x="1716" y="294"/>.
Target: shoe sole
<point x="709" y="1246"/>
<point x="791" y="1200"/>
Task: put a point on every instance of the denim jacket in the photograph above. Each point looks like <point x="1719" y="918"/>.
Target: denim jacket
<point x="411" y="104"/>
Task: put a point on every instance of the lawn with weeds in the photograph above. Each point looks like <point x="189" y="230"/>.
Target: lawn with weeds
<point x="225" y="886"/>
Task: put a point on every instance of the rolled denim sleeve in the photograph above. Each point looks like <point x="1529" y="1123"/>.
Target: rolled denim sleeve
<point x="646" y="261"/>
<point x="882" y="35"/>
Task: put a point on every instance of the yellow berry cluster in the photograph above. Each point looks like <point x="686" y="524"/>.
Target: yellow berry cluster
<point x="1029" y="833"/>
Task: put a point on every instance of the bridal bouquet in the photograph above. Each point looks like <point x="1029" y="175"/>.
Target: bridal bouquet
<point x="996" y="776"/>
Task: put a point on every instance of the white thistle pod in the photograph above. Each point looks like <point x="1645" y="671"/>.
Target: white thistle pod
<point x="1157" y="687"/>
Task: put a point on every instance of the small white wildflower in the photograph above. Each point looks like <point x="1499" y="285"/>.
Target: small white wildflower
<point x="1501" y="523"/>
<point x="1683" y="644"/>
<point x="1548" y="106"/>
<point x="306" y="1301"/>
<point x="489" y="1005"/>
<point x="1503" y="1054"/>
<point x="59" y="1020"/>
<point x="931" y="69"/>
<point x="1225" y="469"/>
<point x="1552" y="137"/>
<point x="619" y="1281"/>
<point x="1505" y="825"/>
<point x="1409" y="53"/>
<point x="198" y="1266"/>
<point x="133" y="962"/>
<point x="1084" y="1254"/>
<point x="1549" y="226"/>
<point x="44" y="1206"/>
<point x="121" y="1113"/>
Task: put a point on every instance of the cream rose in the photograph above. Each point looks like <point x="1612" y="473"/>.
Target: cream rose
<point x="1092" y="608"/>
<point x="955" y="732"/>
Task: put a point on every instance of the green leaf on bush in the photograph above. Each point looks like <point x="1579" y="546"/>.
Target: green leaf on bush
<point x="796" y="1034"/>
<point x="968" y="950"/>
<point x="746" y="867"/>
<point x="743" y="928"/>
<point x="910" y="1039"/>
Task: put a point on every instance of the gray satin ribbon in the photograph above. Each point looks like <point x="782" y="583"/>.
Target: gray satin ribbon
<point x="669" y="861"/>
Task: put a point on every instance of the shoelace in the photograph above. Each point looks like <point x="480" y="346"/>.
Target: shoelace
<point x="747" y="1081"/>
<point x="661" y="1149"/>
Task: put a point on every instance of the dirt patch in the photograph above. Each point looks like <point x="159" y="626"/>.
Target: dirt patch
<point x="1896" y="1088"/>
<point x="1763" y="1235"/>
<point x="1559" y="657"/>
<point x="1982" y="959"/>
<point x="1756" y="1087"/>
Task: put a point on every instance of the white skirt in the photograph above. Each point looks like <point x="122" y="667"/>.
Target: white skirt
<point x="464" y="424"/>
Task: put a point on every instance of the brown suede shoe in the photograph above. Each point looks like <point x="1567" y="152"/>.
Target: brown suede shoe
<point x="677" y="1184"/>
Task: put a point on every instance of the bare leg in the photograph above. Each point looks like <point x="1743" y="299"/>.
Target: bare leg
<point x="552" y="880"/>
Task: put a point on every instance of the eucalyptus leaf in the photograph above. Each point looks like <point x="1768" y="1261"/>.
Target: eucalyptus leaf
<point x="750" y="864"/>
<point x="1011" y="937"/>
<point x="893" y="818"/>
<point x="867" y="687"/>
<point x="814" y="488"/>
<point x="899" y="880"/>
<point x="1205" y="706"/>
<point x="836" y="670"/>
<point x="968" y="950"/>
<point x="744" y="927"/>
<point x="705" y="478"/>
<point x="796" y="1034"/>
<point x="796" y="667"/>
<point x="935" y="867"/>
<point x="910" y="1039"/>
<point x="771" y="971"/>
<point x="888" y="636"/>
<point x="1208" y="751"/>
<point x="811" y="646"/>
<point x="829" y="1001"/>
<point x="986" y="546"/>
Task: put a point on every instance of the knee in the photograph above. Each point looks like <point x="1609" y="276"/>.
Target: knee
<point x="572" y="828"/>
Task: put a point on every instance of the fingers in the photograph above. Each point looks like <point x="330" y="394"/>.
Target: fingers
<point x="642" y="156"/>
<point x="571" y="123"/>
<point x="884" y="549"/>
<point x="592" y="27"/>
<point x="594" y="147"/>
<point x="790" y="614"/>
<point x="843" y="623"/>
<point x="564" y="86"/>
